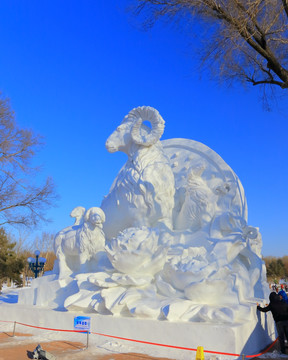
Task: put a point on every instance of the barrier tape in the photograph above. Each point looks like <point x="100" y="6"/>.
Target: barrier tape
<point x="145" y="342"/>
<point x="44" y="328"/>
<point x="265" y="351"/>
<point x="164" y="345"/>
<point x="8" y="321"/>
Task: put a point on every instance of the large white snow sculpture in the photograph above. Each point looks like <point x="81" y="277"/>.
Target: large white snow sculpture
<point x="178" y="245"/>
<point x="143" y="192"/>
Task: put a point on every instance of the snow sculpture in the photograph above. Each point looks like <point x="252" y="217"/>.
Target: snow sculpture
<point x="178" y="245"/>
<point x="199" y="203"/>
<point x="135" y="251"/>
<point x="76" y="245"/>
<point x="78" y="214"/>
<point x="143" y="192"/>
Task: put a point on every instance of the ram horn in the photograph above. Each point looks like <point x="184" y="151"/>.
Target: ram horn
<point x="250" y="232"/>
<point x="140" y="114"/>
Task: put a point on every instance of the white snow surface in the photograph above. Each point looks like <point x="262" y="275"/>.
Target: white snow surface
<point x="97" y="345"/>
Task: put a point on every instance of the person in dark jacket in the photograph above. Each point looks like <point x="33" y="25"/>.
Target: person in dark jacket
<point x="283" y="294"/>
<point x="279" y="311"/>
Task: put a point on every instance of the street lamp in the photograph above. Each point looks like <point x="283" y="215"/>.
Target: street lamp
<point x="36" y="265"/>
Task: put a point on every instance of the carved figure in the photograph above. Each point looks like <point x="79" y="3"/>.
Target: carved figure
<point x="199" y="203"/>
<point x="78" y="214"/>
<point x="135" y="251"/>
<point x="76" y="245"/>
<point x="143" y="192"/>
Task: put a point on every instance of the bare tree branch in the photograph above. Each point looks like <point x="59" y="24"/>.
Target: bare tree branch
<point x="21" y="202"/>
<point x="250" y="37"/>
<point x="285" y="6"/>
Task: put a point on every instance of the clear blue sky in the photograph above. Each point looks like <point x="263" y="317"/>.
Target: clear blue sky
<point x="73" y="69"/>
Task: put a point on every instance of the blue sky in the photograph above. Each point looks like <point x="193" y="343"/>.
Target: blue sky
<point x="74" y="69"/>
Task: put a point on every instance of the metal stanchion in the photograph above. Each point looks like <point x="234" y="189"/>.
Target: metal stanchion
<point x="14" y="328"/>
<point x="87" y="339"/>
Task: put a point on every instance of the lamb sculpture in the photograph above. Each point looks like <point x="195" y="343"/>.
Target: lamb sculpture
<point x="76" y="245"/>
<point x="143" y="192"/>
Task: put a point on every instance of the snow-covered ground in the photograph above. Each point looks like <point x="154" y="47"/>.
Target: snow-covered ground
<point x="10" y="296"/>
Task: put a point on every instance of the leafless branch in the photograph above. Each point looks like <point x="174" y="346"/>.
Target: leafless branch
<point x="247" y="36"/>
<point x="21" y="202"/>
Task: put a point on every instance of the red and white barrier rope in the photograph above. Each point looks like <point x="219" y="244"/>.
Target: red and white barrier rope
<point x="145" y="342"/>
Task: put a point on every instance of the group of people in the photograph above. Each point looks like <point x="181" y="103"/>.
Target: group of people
<point x="275" y="287"/>
<point x="278" y="305"/>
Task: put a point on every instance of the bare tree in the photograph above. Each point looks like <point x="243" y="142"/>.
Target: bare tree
<point x="45" y="242"/>
<point x="21" y="201"/>
<point x="25" y="247"/>
<point x="245" y="40"/>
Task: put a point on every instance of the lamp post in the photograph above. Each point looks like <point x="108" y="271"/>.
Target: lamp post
<point x="36" y="265"/>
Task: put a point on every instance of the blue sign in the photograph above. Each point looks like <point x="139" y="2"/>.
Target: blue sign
<point x="82" y="323"/>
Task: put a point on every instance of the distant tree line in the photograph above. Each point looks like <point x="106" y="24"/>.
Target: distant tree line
<point x="11" y="265"/>
<point x="277" y="268"/>
<point x="14" y="254"/>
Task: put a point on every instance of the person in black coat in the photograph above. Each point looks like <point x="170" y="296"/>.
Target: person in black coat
<point x="279" y="311"/>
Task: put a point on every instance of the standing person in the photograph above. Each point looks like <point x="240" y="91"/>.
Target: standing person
<point x="283" y="294"/>
<point x="279" y="311"/>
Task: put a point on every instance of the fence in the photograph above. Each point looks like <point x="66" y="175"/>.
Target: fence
<point x="242" y="356"/>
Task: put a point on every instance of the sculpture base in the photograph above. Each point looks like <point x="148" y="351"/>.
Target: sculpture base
<point x="248" y="338"/>
<point x="48" y="291"/>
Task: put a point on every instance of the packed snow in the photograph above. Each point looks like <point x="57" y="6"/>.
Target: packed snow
<point x="111" y="346"/>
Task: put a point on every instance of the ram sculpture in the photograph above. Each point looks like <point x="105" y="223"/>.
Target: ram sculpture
<point x="143" y="192"/>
